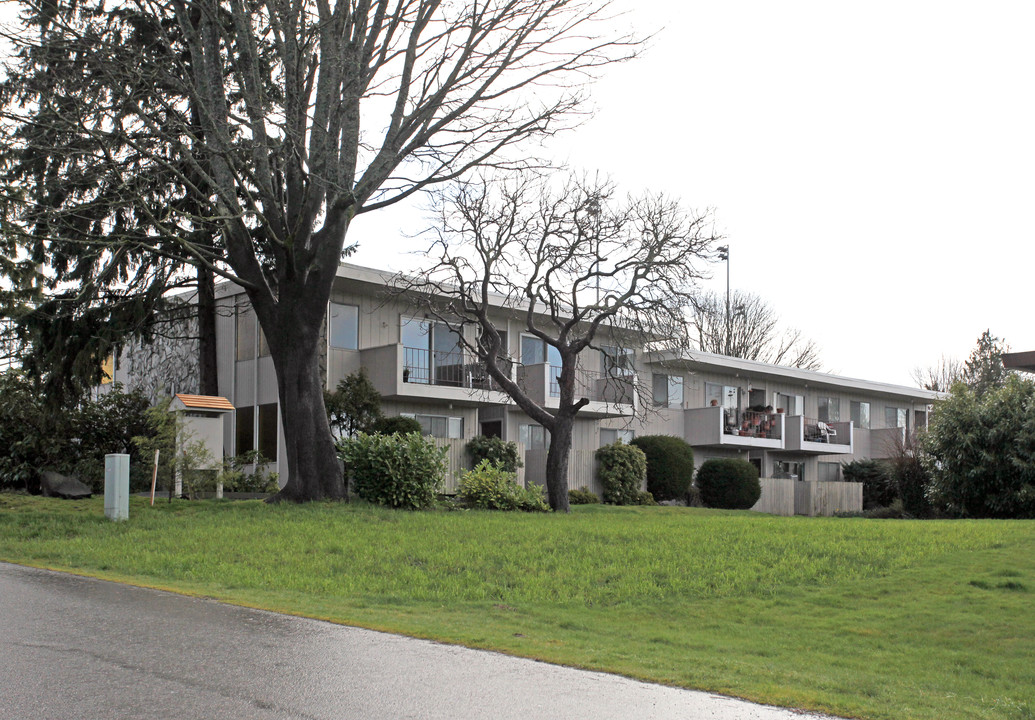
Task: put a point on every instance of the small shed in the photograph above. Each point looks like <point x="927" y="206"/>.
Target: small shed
<point x="202" y="421"/>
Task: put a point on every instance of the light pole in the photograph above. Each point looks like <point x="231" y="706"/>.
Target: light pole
<point x="724" y="254"/>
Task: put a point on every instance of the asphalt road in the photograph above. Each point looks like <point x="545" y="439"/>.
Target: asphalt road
<point x="73" y="647"/>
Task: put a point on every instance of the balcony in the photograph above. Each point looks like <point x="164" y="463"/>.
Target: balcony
<point x="815" y="437"/>
<point x="718" y="427"/>
<point x="399" y="372"/>
<point x="613" y="396"/>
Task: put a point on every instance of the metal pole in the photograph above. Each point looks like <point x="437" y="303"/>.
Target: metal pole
<point x="724" y="254"/>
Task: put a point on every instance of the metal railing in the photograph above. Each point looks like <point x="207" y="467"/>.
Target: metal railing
<point x="588" y="384"/>
<point x="822" y="431"/>
<point x="752" y="423"/>
<point x="448" y="369"/>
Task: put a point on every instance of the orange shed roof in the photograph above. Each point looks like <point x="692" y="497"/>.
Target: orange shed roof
<point x="205" y="402"/>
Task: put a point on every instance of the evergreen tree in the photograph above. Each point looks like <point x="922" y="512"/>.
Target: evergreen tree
<point x="984" y="371"/>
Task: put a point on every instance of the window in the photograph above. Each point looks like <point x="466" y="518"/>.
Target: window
<point x="895" y="417"/>
<point x="617" y="361"/>
<point x="268" y="431"/>
<point x="829" y="409"/>
<point x="245" y="430"/>
<point x="919" y="419"/>
<point x="789" y="470"/>
<point x="246" y="328"/>
<point x="610" y="437"/>
<point x="432" y="353"/>
<point x="668" y="390"/>
<point x="829" y="472"/>
<point x="343" y="326"/>
<point x="439" y="426"/>
<point x="534" y="437"/>
<point x="791" y="404"/>
<point x="861" y="414"/>
<point x="726" y="396"/>
<point x="535" y="350"/>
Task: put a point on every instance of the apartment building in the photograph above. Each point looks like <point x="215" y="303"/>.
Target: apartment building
<point x="788" y="422"/>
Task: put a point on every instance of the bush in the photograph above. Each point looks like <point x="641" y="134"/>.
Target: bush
<point x="400" y="471"/>
<point x="670" y="465"/>
<point x="879" y="487"/>
<point x="495" y="450"/>
<point x="489" y="487"/>
<point x="397" y="425"/>
<point x="260" y="480"/>
<point x="623" y="469"/>
<point x="583" y="496"/>
<point x="728" y="483"/>
<point x="354" y="406"/>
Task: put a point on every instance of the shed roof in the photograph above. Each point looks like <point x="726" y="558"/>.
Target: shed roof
<point x="204" y="402"/>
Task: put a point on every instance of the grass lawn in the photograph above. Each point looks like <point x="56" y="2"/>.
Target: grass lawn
<point x="861" y="618"/>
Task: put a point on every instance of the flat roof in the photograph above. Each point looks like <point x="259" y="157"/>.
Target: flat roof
<point x="724" y="363"/>
<point x="1020" y="361"/>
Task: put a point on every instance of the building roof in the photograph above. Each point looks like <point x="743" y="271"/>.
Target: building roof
<point x="723" y="363"/>
<point x="1020" y="361"/>
<point x="204" y="402"/>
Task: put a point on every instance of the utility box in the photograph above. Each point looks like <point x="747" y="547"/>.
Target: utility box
<point x="201" y="421"/>
<point x="116" y="487"/>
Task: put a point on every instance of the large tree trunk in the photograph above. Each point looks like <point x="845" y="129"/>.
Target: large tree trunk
<point x="557" y="463"/>
<point x="313" y="470"/>
<point x="208" y="377"/>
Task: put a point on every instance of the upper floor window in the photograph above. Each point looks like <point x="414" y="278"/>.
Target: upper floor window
<point x="668" y="390"/>
<point x="534" y="437"/>
<point x="895" y="417"/>
<point x="861" y="414"/>
<point x="535" y="350"/>
<point x="829" y="409"/>
<point x="343" y="326"/>
<point x="610" y="436"/>
<point x="617" y="360"/>
<point x="246" y="329"/>
<point x="791" y="404"/>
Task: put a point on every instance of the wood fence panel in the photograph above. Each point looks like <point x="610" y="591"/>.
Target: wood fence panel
<point x="814" y="498"/>
<point x="582" y="469"/>
<point x="777" y="496"/>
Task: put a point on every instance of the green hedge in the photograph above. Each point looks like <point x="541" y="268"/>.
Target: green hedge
<point x="728" y="483"/>
<point x="495" y="450"/>
<point x="670" y="465"/>
<point x="400" y="471"/>
<point x="623" y="469"/>
<point x="490" y="487"/>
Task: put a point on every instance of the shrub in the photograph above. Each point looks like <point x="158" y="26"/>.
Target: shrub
<point x="728" y="483"/>
<point x="397" y="425"/>
<point x="400" y="471"/>
<point x="354" y="406"/>
<point x="260" y="480"/>
<point x="879" y="487"/>
<point x="623" y="469"/>
<point x="583" y="496"/>
<point x="489" y="487"/>
<point x="495" y="450"/>
<point x="670" y="465"/>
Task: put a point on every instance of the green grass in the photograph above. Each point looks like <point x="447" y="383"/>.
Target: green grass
<point x="862" y="618"/>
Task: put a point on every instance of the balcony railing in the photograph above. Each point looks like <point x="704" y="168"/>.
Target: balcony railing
<point x="830" y="432"/>
<point x="588" y="384"/>
<point x="448" y="369"/>
<point x="751" y="423"/>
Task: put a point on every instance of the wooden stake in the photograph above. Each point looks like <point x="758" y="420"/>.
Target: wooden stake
<point x="154" y="477"/>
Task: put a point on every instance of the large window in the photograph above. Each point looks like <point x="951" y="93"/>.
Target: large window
<point x="861" y="414"/>
<point x="268" y="431"/>
<point x="246" y="328"/>
<point x="610" y="437"/>
<point x="829" y="471"/>
<point x="535" y="351"/>
<point x="534" y="437"/>
<point x="343" y="326"/>
<point x="440" y="426"/>
<point x="617" y="361"/>
<point x="829" y="409"/>
<point x="245" y="430"/>
<point x="432" y="353"/>
<point x="895" y="417"/>
<point x="791" y="404"/>
<point x="668" y="390"/>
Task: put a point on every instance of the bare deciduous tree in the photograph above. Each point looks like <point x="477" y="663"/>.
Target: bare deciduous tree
<point x="579" y="269"/>
<point x="749" y="330"/>
<point x="939" y="377"/>
<point x="277" y="123"/>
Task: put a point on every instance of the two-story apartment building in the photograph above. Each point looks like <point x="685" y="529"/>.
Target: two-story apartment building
<point x="789" y="422"/>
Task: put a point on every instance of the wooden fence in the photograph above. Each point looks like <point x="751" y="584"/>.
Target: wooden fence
<point x="777" y="496"/>
<point x="458" y="461"/>
<point x="582" y="469"/>
<point x="826" y="498"/>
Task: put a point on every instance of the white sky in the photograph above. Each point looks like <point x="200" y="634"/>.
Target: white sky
<point x="871" y="164"/>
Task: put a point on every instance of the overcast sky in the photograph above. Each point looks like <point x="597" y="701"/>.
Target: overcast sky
<point x="871" y="164"/>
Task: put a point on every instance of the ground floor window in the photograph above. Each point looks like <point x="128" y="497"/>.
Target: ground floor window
<point x="244" y="435"/>
<point x="268" y="431"/>
<point x="440" y="426"/>
<point x="534" y="437"/>
<point x="610" y="437"/>
<point x="789" y="470"/>
<point x="829" y="472"/>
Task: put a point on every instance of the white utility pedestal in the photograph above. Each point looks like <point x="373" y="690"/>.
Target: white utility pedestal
<point x="116" y="487"/>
